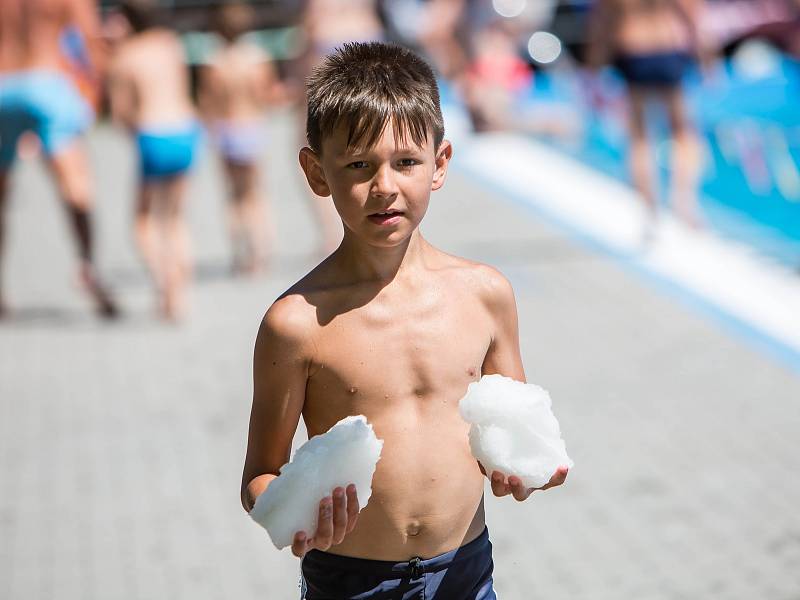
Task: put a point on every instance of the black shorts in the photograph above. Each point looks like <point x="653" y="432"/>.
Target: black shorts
<point x="461" y="574"/>
<point x="661" y="69"/>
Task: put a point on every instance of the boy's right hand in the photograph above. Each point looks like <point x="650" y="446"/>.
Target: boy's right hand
<point x="337" y="517"/>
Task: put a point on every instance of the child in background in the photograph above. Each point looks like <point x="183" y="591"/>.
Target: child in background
<point x="495" y="79"/>
<point x="236" y="86"/>
<point x="149" y="93"/>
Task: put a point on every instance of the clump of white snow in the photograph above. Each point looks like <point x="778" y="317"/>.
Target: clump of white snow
<point x="513" y="429"/>
<point x="346" y="453"/>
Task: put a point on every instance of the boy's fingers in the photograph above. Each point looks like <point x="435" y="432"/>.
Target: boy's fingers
<point x="324" y="534"/>
<point x="339" y="516"/>
<point x="352" y="507"/>
<point x="299" y="544"/>
<point x="519" y="491"/>
<point x="559" y="477"/>
<point x="499" y="487"/>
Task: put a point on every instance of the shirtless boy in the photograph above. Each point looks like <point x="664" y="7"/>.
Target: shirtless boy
<point x="37" y="95"/>
<point x="237" y="84"/>
<point x="149" y="92"/>
<point x="389" y="327"/>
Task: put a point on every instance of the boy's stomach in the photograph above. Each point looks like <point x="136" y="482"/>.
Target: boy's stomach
<point x="427" y="494"/>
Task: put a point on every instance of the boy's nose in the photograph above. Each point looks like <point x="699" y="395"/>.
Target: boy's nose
<point x="383" y="183"/>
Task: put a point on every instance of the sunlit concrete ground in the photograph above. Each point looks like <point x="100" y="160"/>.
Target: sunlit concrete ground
<point x="121" y="445"/>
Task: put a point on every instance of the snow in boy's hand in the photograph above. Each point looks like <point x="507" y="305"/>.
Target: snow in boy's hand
<point x="347" y="453"/>
<point x="513" y="429"/>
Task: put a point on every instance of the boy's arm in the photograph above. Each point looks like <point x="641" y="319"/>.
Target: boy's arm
<point x="280" y="370"/>
<point x="121" y="94"/>
<point x="503" y="358"/>
<point x="86" y="19"/>
<point x="206" y="98"/>
<point x="265" y="82"/>
<point x="601" y="29"/>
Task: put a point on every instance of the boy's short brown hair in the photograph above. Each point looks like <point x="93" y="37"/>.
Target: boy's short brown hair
<point x="362" y="86"/>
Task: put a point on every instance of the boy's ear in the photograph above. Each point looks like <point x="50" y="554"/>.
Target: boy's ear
<point x="443" y="156"/>
<point x="309" y="162"/>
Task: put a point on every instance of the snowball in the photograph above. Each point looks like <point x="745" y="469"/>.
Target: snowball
<point x="513" y="429"/>
<point x="347" y="453"/>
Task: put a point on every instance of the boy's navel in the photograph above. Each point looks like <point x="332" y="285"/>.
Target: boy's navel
<point x="413" y="529"/>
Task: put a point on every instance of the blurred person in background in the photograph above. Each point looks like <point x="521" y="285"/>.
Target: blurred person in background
<point x="149" y="94"/>
<point x="495" y="79"/>
<point x="328" y="24"/>
<point x="236" y="86"/>
<point x="653" y="43"/>
<point x="36" y="95"/>
<point x="440" y="27"/>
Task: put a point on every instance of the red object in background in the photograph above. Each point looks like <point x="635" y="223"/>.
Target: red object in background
<point x="506" y="71"/>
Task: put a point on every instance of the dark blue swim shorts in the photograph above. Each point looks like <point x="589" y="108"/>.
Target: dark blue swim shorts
<point x="461" y="574"/>
<point x="659" y="69"/>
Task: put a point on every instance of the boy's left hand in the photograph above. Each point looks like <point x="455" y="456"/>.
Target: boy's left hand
<point x="503" y="486"/>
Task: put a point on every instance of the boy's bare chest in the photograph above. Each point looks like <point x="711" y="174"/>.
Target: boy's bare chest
<point x="385" y="356"/>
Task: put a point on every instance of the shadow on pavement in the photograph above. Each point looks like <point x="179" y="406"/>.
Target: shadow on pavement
<point x="32" y="316"/>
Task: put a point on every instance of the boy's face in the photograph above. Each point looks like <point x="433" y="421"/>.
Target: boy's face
<point x="381" y="193"/>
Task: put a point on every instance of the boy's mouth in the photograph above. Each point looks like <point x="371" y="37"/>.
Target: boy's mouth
<point x="386" y="217"/>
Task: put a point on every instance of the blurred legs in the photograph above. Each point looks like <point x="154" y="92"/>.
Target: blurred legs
<point x="70" y="170"/>
<point x="177" y="249"/>
<point x="250" y="230"/>
<point x="4" y="177"/>
<point x="163" y="240"/>
<point x="685" y="161"/>
<point x="641" y="159"/>
<point x="328" y="221"/>
<point x="144" y="230"/>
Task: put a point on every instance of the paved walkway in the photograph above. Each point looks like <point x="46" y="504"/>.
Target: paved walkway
<point x="121" y="445"/>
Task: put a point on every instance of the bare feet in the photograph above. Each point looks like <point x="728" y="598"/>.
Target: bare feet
<point x="693" y="220"/>
<point x="688" y="211"/>
<point x="171" y="305"/>
<point x="105" y="305"/>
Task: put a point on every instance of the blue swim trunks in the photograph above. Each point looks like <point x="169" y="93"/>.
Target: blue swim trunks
<point x="44" y="102"/>
<point x="167" y="151"/>
<point x="461" y="574"/>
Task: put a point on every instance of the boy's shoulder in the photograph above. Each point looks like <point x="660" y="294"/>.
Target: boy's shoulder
<point x="293" y="315"/>
<point x="479" y="279"/>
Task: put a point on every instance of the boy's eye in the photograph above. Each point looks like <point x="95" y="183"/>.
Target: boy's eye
<point x="408" y="162"/>
<point x="357" y="164"/>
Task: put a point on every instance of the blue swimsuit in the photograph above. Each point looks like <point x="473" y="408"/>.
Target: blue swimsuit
<point x="44" y="102"/>
<point x="167" y="151"/>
